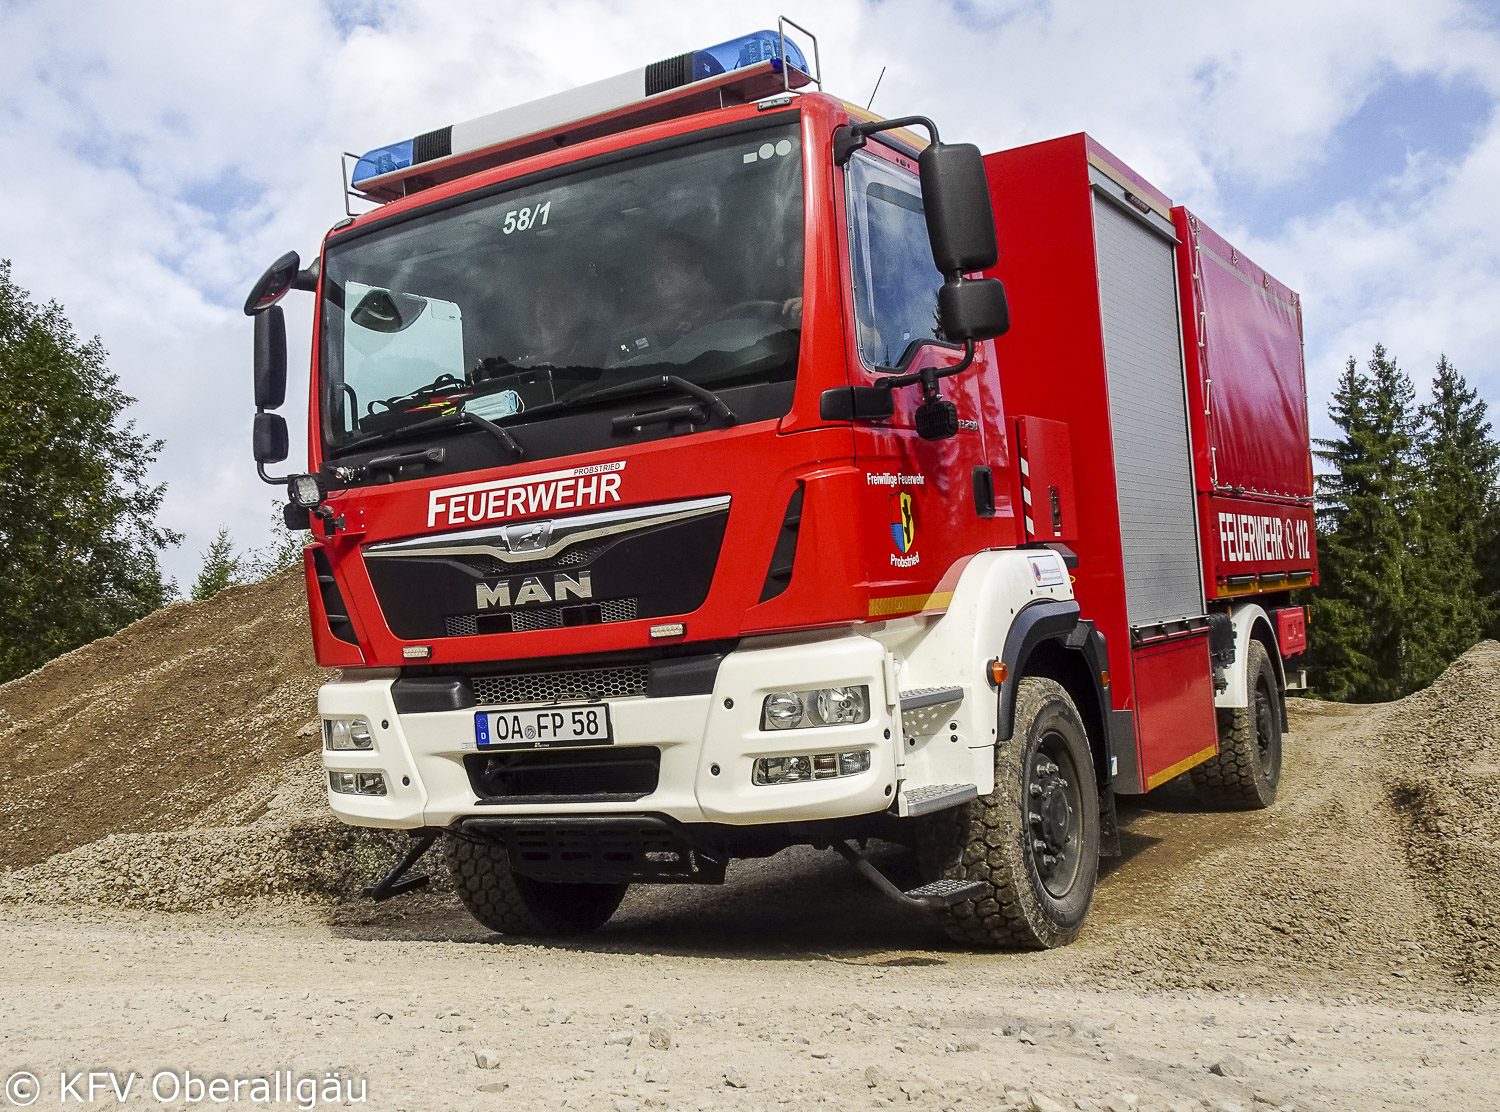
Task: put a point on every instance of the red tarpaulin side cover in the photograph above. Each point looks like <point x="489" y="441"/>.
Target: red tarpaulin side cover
<point x="1249" y="327"/>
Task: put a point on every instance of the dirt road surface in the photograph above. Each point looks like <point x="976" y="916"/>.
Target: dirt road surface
<point x="1338" y="951"/>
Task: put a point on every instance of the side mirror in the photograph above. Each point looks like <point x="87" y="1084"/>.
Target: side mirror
<point x="280" y="276"/>
<point x="270" y="358"/>
<point x="973" y="309"/>
<point x="269" y="439"/>
<point x="956" y="198"/>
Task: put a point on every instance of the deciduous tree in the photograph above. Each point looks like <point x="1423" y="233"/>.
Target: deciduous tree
<point x="79" y="536"/>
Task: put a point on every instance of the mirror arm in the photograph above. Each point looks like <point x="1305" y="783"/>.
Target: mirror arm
<point x="928" y="376"/>
<point x="851" y="137"/>
<point x="260" y="469"/>
<point x="307" y="277"/>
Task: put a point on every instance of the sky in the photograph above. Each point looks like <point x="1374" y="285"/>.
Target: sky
<point x="160" y="155"/>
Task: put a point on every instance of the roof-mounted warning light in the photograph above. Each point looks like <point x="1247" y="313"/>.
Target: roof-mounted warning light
<point x="740" y="70"/>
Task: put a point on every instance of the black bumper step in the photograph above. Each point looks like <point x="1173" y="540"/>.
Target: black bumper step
<point x="601" y="849"/>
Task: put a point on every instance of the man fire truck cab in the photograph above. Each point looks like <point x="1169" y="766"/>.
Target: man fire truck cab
<point x="680" y="491"/>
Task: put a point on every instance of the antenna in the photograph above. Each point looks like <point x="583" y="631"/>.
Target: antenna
<point x="876" y="89"/>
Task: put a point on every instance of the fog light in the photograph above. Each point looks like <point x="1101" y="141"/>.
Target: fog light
<point x="347" y="733"/>
<point x="852" y="763"/>
<point x="823" y="706"/>
<point x="357" y="783"/>
<point x="800" y="768"/>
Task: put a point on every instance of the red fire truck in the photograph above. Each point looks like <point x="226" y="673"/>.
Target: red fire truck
<point x="685" y="485"/>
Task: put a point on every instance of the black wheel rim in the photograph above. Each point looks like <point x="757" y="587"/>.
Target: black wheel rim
<point x="1054" y="818"/>
<point x="1265" y="732"/>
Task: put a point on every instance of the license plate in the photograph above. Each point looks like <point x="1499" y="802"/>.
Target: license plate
<point x="543" y="727"/>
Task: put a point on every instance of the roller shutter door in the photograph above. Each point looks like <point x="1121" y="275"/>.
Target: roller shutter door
<point x="1148" y="415"/>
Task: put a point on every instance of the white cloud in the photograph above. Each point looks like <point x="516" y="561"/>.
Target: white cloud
<point x="128" y="127"/>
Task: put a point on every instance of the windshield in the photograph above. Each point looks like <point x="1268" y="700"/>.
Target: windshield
<point x="685" y="262"/>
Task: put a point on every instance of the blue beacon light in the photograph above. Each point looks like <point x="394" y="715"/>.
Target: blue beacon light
<point x="382" y="160"/>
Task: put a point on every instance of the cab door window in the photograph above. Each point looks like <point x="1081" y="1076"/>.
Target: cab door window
<point x="895" y="282"/>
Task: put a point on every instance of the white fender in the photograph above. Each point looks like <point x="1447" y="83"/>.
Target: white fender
<point x="953" y="651"/>
<point x="1244" y="617"/>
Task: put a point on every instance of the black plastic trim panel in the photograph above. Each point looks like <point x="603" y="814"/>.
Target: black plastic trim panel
<point x="1041" y="621"/>
<point x="666" y="676"/>
<point x="1127" y="778"/>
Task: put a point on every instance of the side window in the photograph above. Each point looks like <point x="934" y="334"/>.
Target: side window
<point x="895" y="282"/>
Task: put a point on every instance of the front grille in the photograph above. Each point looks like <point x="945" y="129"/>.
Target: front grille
<point x="661" y="567"/>
<point x="490" y="566"/>
<point x="541" y="617"/>
<point x="595" y="775"/>
<point x="550" y="687"/>
<point x="617" y="610"/>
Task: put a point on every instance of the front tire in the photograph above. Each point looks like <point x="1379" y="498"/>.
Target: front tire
<point x="1245" y="774"/>
<point x="511" y="904"/>
<point x="1034" y="840"/>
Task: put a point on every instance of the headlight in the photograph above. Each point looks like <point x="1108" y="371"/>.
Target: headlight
<point x="782" y="710"/>
<point x="347" y="733"/>
<point x="823" y="706"/>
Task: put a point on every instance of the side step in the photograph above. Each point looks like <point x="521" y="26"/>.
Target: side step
<point x="934" y="797"/>
<point x="924" y="708"/>
<point x="929" y="897"/>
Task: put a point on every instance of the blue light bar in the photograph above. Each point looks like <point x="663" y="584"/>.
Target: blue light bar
<point x="383" y="160"/>
<point x="580" y="103"/>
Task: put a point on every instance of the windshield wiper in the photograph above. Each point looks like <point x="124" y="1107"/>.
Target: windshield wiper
<point x="446" y="420"/>
<point x="494" y="430"/>
<point x="657" y="382"/>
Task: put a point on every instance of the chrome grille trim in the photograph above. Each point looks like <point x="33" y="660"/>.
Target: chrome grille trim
<point x="557" y="533"/>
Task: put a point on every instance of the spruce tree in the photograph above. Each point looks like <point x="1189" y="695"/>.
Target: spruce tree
<point x="1458" y="460"/>
<point x="79" y="536"/>
<point x="221" y="568"/>
<point x="1365" y="503"/>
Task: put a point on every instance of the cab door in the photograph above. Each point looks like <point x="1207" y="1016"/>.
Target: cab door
<point x="921" y="512"/>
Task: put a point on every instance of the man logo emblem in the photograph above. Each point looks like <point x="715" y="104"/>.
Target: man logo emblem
<point x="532" y="589"/>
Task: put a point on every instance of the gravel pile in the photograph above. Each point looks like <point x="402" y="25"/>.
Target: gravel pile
<point x="174" y="765"/>
<point x="1446" y="740"/>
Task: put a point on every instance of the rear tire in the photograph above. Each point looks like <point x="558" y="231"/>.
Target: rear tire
<point x="518" y="905"/>
<point x="1245" y="774"/>
<point x="1034" y="840"/>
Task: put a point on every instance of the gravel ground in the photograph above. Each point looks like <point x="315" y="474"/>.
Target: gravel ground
<point x="1336" y="951"/>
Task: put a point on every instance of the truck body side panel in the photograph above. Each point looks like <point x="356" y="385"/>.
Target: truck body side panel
<point x="1248" y="398"/>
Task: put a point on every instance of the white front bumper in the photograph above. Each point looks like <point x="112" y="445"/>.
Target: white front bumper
<point x="708" y="745"/>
